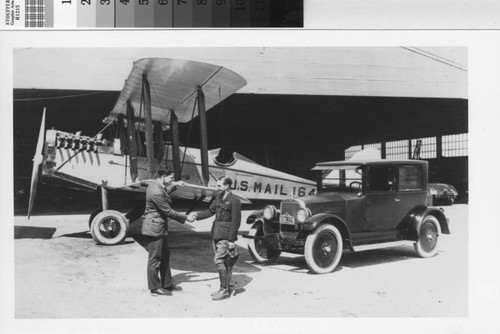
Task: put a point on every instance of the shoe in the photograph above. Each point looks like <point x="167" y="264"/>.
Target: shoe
<point x="174" y="288"/>
<point x="160" y="292"/>
<point x="223" y="294"/>
<point x="215" y="293"/>
<point x="218" y="291"/>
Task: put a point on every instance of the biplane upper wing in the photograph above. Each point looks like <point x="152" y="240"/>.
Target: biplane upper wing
<point x="173" y="85"/>
<point x="186" y="191"/>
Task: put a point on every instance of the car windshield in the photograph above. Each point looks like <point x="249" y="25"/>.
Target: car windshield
<point x="344" y="178"/>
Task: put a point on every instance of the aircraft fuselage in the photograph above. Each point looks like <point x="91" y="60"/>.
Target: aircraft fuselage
<point x="86" y="163"/>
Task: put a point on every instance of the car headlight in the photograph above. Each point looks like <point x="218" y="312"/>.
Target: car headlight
<point x="269" y="212"/>
<point x="432" y="191"/>
<point x="302" y="215"/>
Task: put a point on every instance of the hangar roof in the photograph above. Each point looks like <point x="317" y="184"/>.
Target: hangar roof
<point x="437" y="72"/>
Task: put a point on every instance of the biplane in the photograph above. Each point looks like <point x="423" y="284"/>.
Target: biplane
<point x="158" y="94"/>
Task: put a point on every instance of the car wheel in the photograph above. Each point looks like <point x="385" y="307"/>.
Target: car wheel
<point x="428" y="237"/>
<point x="257" y="248"/>
<point x="323" y="249"/>
<point x="109" y="227"/>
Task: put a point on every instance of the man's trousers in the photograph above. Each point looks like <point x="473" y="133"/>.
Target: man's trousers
<point x="158" y="262"/>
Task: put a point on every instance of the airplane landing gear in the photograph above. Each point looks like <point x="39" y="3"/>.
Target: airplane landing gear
<point x="109" y="227"/>
<point x="92" y="216"/>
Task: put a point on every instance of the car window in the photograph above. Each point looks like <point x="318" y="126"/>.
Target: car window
<point x="381" y="178"/>
<point x="409" y="178"/>
<point x="341" y="179"/>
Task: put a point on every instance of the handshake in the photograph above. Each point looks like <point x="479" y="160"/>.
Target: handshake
<point x="192" y="217"/>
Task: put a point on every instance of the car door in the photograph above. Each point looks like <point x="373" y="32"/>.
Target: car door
<point x="411" y="191"/>
<point x="381" y="197"/>
<point x="392" y="192"/>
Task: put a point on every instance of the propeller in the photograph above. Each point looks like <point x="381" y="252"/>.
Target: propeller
<point x="37" y="162"/>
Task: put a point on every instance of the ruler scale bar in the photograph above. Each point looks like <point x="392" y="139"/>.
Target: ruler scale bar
<point x="106" y="14"/>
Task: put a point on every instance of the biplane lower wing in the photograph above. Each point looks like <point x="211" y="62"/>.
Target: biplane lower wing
<point x="185" y="191"/>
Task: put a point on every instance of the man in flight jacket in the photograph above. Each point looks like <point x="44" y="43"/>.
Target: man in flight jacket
<point x="227" y="209"/>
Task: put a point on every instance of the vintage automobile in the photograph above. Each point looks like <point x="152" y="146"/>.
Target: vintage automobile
<point x="442" y="193"/>
<point x="360" y="205"/>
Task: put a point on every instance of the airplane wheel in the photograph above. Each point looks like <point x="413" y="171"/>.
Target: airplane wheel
<point x="109" y="227"/>
<point x="92" y="216"/>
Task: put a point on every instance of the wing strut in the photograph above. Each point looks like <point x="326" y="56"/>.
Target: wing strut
<point x="203" y="135"/>
<point x="158" y="139"/>
<point x="174" y="125"/>
<point x="148" y="123"/>
<point x="132" y="141"/>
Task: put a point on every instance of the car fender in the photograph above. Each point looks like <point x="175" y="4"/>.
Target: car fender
<point x="417" y="216"/>
<point x="256" y="216"/>
<point x="325" y="218"/>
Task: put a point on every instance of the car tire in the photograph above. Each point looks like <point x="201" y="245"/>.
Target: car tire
<point x="428" y="237"/>
<point x="109" y="227"/>
<point x="256" y="247"/>
<point x="323" y="249"/>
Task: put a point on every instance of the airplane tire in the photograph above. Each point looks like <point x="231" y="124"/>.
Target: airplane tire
<point x="92" y="216"/>
<point x="109" y="227"/>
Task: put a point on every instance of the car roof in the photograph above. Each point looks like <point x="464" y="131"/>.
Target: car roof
<point x="358" y="163"/>
<point x="440" y="184"/>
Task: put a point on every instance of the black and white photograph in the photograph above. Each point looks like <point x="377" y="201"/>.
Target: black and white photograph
<point x="334" y="155"/>
<point x="260" y="181"/>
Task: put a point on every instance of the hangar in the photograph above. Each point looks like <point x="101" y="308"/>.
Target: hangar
<point x="301" y="105"/>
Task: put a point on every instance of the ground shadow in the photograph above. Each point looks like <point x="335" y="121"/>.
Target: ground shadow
<point x="193" y="252"/>
<point x="87" y="235"/>
<point x="79" y="235"/>
<point x="193" y="277"/>
<point x="377" y="256"/>
<point x="239" y="281"/>
<point x="348" y="260"/>
<point x="296" y="264"/>
<point x="31" y="232"/>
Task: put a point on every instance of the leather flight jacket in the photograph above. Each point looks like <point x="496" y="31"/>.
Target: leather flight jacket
<point x="227" y="217"/>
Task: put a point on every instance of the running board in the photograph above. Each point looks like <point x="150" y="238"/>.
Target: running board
<point x="383" y="245"/>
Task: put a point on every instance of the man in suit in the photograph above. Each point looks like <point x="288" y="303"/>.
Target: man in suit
<point x="155" y="230"/>
<point x="227" y="209"/>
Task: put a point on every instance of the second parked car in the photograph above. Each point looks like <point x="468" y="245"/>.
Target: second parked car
<point x="442" y="193"/>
